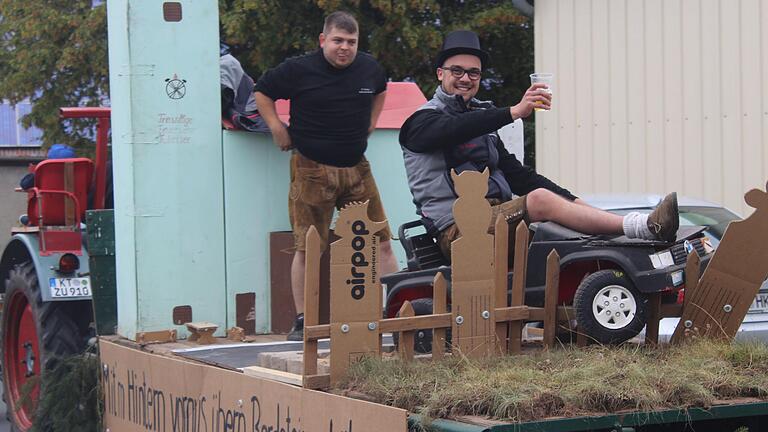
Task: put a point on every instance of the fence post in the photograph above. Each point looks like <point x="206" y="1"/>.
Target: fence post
<point x="550" y="298"/>
<point x="439" y="306"/>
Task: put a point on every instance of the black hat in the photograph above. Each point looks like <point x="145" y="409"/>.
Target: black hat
<point x="461" y="42"/>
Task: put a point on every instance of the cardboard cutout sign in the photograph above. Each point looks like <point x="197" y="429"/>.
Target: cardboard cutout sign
<point x="155" y="393"/>
<point x="473" y="278"/>
<point x="721" y="299"/>
<point x="355" y="289"/>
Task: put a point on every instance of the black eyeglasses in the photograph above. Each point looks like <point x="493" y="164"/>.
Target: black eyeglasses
<point x="458" y="72"/>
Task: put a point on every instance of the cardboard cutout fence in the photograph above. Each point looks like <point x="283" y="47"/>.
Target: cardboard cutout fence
<point x="482" y="322"/>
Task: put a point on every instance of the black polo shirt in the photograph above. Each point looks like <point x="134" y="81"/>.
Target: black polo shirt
<point x="330" y="107"/>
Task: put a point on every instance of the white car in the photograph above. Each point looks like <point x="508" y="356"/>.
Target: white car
<point x="693" y="212"/>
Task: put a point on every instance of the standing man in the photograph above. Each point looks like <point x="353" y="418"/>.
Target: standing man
<point x="455" y="131"/>
<point x="336" y="97"/>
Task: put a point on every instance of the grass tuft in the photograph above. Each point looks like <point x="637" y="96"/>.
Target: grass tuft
<point x="574" y="381"/>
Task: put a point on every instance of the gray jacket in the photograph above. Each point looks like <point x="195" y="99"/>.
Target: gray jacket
<point x="429" y="172"/>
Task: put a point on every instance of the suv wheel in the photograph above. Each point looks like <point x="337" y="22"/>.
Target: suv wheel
<point x="609" y="309"/>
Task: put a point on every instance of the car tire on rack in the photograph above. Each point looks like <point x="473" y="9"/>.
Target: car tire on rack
<point x="609" y="309"/>
<point x="34" y="335"/>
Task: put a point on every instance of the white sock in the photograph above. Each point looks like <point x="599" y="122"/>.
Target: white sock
<point x="635" y="225"/>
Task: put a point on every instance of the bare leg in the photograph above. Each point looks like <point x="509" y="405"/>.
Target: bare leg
<point x="388" y="262"/>
<point x="543" y="204"/>
<point x="297" y="281"/>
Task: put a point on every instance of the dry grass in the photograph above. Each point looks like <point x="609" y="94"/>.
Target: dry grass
<point x="568" y="381"/>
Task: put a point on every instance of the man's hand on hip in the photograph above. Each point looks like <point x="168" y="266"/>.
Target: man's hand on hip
<point x="281" y="138"/>
<point x="537" y="96"/>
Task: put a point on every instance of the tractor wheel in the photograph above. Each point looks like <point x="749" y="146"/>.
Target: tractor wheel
<point x="34" y="335"/>
<point x="422" y="341"/>
<point x="609" y="309"/>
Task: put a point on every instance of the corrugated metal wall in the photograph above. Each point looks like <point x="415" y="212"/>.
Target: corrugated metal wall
<point x="655" y="96"/>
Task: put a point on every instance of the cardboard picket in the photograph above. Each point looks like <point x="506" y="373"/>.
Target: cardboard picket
<point x="472" y="267"/>
<point x="722" y="296"/>
<point x="356" y="294"/>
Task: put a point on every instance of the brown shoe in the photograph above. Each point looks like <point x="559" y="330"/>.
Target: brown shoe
<point x="665" y="219"/>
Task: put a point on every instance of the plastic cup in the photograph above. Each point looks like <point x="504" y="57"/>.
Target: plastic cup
<point x="546" y="78"/>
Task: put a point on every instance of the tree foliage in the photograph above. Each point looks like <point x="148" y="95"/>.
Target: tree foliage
<point x="404" y="36"/>
<point x="55" y="52"/>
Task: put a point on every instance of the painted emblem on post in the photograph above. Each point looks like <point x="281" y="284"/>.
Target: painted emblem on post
<point x="175" y="88"/>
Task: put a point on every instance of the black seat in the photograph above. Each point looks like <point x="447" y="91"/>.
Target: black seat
<point x="421" y="250"/>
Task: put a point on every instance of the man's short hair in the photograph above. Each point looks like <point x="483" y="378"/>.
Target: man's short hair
<point x="340" y="20"/>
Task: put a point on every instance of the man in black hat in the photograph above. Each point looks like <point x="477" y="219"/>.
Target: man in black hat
<point x="455" y="131"/>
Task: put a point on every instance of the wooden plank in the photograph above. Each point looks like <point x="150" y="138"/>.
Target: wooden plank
<point x="582" y="339"/>
<point x="692" y="270"/>
<point x="275" y="375"/>
<point x="564" y="313"/>
<point x="653" y="315"/>
<point x="511" y="313"/>
<point x="160" y="336"/>
<point x="410" y="322"/>
<point x="320" y="331"/>
<point x="671" y="310"/>
<point x="519" y="277"/>
<point x="472" y="275"/>
<point x="439" y="306"/>
<point x="501" y="268"/>
<point x="312" y="256"/>
<point x="201" y="332"/>
<point x="405" y="347"/>
<point x="317" y="382"/>
<point x="550" y="298"/>
<point x="69" y="186"/>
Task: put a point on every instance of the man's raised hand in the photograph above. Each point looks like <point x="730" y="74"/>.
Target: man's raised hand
<point x="537" y="96"/>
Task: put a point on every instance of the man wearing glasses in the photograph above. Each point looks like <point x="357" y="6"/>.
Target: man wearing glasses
<point x="455" y="131"/>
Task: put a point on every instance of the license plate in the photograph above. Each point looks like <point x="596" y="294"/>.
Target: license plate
<point x="760" y="304"/>
<point x="70" y="287"/>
